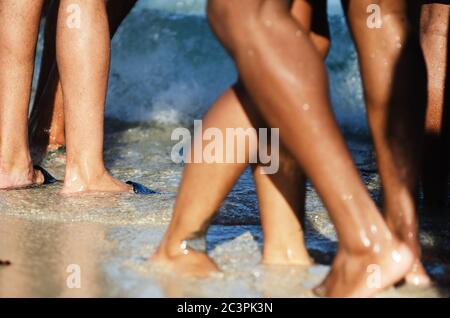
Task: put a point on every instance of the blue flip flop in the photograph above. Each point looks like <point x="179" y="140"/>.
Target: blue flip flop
<point x="140" y="189"/>
<point x="137" y="187"/>
<point x="48" y="178"/>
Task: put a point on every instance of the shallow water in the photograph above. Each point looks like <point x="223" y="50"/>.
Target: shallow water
<point x="111" y="236"/>
<point x="167" y="68"/>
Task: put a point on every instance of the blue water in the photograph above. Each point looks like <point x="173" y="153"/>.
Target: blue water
<point x="167" y="67"/>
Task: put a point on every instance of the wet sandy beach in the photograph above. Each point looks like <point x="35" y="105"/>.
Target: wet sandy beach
<point x="110" y="237"/>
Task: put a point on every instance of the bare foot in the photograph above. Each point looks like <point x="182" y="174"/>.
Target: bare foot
<point x="366" y="274"/>
<point x="418" y="275"/>
<point x="74" y="183"/>
<point x="20" y="178"/>
<point x="407" y="233"/>
<point x="186" y="262"/>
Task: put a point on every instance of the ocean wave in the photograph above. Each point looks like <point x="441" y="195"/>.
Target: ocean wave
<point x="168" y="68"/>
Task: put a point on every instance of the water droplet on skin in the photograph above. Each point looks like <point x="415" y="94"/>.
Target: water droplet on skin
<point x="410" y="235"/>
<point x="183" y="247"/>
<point x="376" y="248"/>
<point x="396" y="256"/>
<point x="388" y="236"/>
<point x="364" y="239"/>
<point x="373" y="229"/>
<point x="347" y="197"/>
<point x="306" y="107"/>
<point x="399" y="45"/>
<point x="416" y="281"/>
<point x="289" y="253"/>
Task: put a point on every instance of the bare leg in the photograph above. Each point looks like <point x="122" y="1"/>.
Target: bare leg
<point x="47" y="118"/>
<point x="434" y="38"/>
<point x="285" y="76"/>
<point x="220" y="179"/>
<point x="46" y="124"/>
<point x="282" y="201"/>
<point x="19" y="23"/>
<point x="391" y="63"/>
<point x="83" y="60"/>
<point x="281" y="196"/>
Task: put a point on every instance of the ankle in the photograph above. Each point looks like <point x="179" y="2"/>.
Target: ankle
<point x="286" y="257"/>
<point x="292" y="251"/>
<point x="178" y="243"/>
<point x="403" y="223"/>
<point x="16" y="174"/>
<point x="170" y="250"/>
<point x="84" y="173"/>
<point x="20" y="164"/>
<point x="372" y="240"/>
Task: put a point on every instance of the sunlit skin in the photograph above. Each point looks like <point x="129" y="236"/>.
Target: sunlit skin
<point x="281" y="196"/>
<point x="282" y="71"/>
<point x="17" y="36"/>
<point x="83" y="60"/>
<point x="434" y="39"/>
<point x="47" y="115"/>
<point x="391" y="68"/>
<point x="283" y="235"/>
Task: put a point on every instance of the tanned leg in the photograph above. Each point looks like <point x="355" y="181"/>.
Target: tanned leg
<point x="46" y="125"/>
<point x="47" y="118"/>
<point x="392" y="69"/>
<point x="83" y="56"/>
<point x="280" y="196"/>
<point x="285" y="77"/>
<point x="19" y="24"/>
<point x="434" y="38"/>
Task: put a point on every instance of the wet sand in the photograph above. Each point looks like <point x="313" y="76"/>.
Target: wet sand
<point x="110" y="237"/>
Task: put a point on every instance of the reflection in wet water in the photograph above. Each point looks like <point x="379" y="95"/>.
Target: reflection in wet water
<point x="110" y="237"/>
